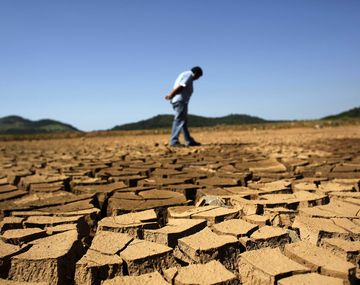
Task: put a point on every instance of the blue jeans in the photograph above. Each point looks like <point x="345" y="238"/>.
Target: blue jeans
<point x="180" y="123"/>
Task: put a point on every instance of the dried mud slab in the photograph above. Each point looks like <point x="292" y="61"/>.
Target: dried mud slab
<point x="205" y="246"/>
<point x="9" y="192"/>
<point x="95" y="266"/>
<point x="280" y="217"/>
<point x="150" y="199"/>
<point x="267" y="236"/>
<point x="103" y="192"/>
<point x="335" y="209"/>
<point x="347" y="250"/>
<point x="143" y="256"/>
<point x="174" y="230"/>
<point x="235" y="227"/>
<point x="144" y="279"/>
<point x="51" y="221"/>
<point x="102" y="260"/>
<point x="7" y="251"/>
<point x="256" y="267"/>
<point x="50" y="259"/>
<point x="213" y="273"/>
<point x="10" y="282"/>
<point x="20" y="236"/>
<point x="260" y="220"/>
<point x="310" y="278"/>
<point x="132" y="223"/>
<point x="314" y="230"/>
<point x="212" y="214"/>
<point x="109" y="242"/>
<point x="11" y="223"/>
<point x="320" y="260"/>
<point x="226" y="193"/>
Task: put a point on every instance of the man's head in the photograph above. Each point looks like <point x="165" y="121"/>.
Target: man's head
<point x="197" y="71"/>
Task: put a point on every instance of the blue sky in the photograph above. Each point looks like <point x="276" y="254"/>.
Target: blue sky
<point x="97" y="64"/>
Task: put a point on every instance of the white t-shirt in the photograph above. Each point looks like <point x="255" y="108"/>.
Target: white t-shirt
<point x="185" y="80"/>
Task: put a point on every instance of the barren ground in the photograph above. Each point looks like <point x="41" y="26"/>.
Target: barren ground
<point x="247" y="207"/>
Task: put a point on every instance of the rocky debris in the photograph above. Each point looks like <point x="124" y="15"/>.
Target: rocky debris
<point x="267" y="266"/>
<point x="212" y="273"/>
<point x="143" y="256"/>
<point x="51" y="259"/>
<point x="131" y="223"/>
<point x="310" y="278"/>
<point x="267" y="236"/>
<point x="320" y="260"/>
<point x="144" y="279"/>
<point x="174" y="230"/>
<point x="205" y="246"/>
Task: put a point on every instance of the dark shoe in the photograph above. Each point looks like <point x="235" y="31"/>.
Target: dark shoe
<point x="193" y="143"/>
<point x="177" y="145"/>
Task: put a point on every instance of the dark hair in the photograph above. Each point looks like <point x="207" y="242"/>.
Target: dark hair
<point x="197" y="70"/>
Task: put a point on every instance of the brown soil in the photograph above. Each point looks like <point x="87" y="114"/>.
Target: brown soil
<point x="268" y="206"/>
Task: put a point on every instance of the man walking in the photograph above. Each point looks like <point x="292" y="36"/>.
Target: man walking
<point x="179" y="98"/>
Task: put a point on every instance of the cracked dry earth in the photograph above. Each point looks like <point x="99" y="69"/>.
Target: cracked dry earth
<point x="249" y="207"/>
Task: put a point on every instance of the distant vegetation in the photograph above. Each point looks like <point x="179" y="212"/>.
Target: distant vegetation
<point x="18" y="128"/>
<point x="165" y="121"/>
<point x="15" y="125"/>
<point x="351" y="114"/>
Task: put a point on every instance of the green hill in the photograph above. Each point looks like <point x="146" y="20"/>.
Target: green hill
<point x="165" y="121"/>
<point x="351" y="114"/>
<point x="15" y="125"/>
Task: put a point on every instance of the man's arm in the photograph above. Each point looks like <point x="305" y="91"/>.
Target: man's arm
<point x="175" y="91"/>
